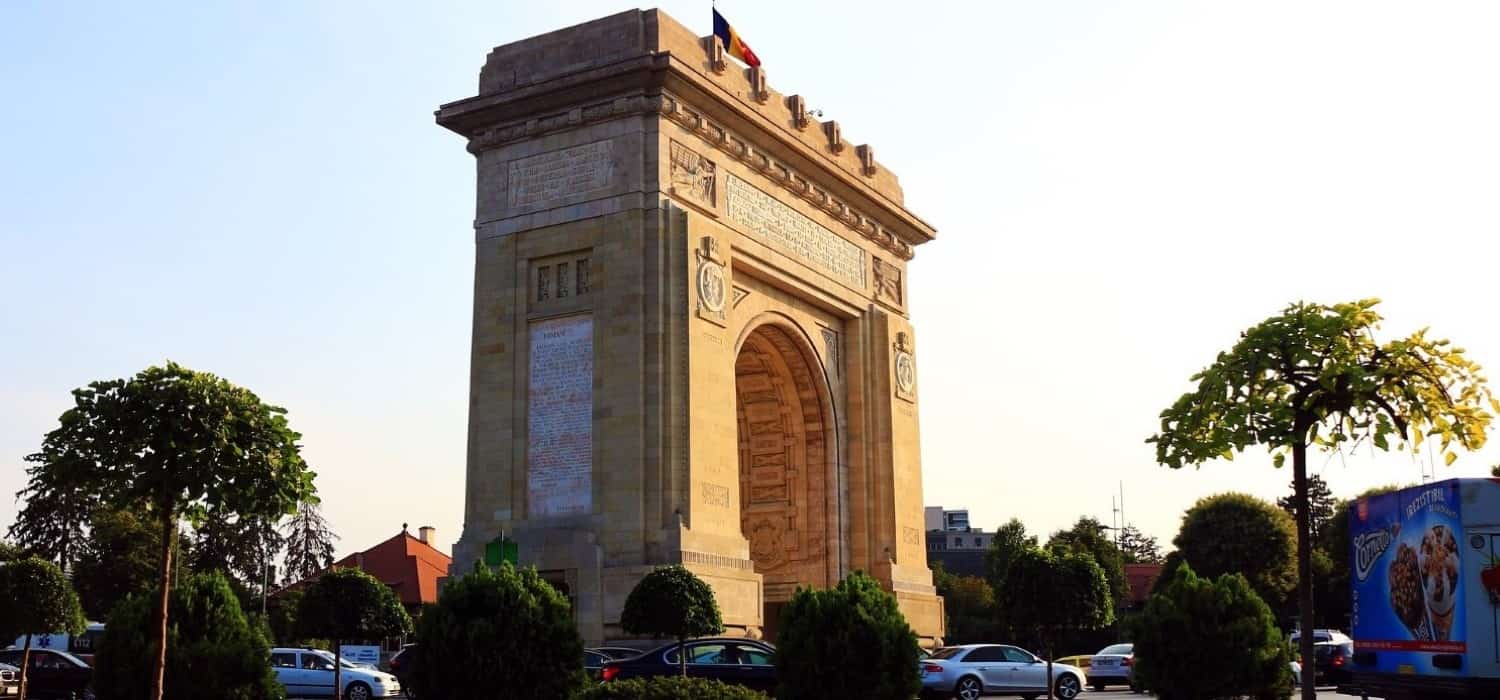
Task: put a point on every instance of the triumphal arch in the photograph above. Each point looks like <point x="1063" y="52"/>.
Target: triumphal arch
<point x="691" y="340"/>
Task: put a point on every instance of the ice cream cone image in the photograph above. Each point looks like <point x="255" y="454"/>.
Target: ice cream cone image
<point x="1439" y="565"/>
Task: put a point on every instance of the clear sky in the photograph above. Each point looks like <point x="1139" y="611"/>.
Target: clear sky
<point x="259" y="190"/>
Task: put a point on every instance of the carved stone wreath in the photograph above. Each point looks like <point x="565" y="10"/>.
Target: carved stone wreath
<point x="713" y="289"/>
<point x="906" y="369"/>
<point x="765" y="544"/>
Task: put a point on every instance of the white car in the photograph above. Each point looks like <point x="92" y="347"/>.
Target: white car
<point x="1113" y="665"/>
<point x="1320" y="636"/>
<point x="309" y="673"/>
<point x="974" y="670"/>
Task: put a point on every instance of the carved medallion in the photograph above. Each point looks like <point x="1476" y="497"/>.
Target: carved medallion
<point x="906" y="369"/>
<point x="765" y="544"/>
<point x="692" y="176"/>
<point x="713" y="289"/>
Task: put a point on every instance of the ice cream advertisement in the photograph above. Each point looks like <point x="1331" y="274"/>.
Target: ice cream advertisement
<point x="1407" y="577"/>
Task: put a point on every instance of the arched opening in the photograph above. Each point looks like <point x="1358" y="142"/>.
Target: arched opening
<point x="787" y="451"/>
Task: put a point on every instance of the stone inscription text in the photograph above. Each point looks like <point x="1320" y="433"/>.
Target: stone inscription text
<point x="559" y="417"/>
<point x="546" y="179"/>
<point x="786" y="227"/>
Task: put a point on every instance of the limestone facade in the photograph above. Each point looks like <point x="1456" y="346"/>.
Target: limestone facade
<point x="691" y="342"/>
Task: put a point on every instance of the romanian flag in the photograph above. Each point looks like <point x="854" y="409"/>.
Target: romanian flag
<point x="732" y="41"/>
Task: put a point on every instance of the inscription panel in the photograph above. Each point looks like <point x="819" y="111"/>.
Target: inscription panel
<point x="553" y="178"/>
<point x="768" y="218"/>
<point x="559" y="417"/>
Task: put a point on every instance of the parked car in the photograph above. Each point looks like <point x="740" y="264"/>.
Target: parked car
<point x="53" y="674"/>
<point x="1320" y="636"/>
<point x="974" y="670"/>
<point x="309" y="673"/>
<point x="10" y="681"/>
<point x="1113" y="665"/>
<point x="731" y="660"/>
<point x="1081" y="661"/>
<point x="593" y="662"/>
<point x="404" y="664"/>
<point x="1331" y="662"/>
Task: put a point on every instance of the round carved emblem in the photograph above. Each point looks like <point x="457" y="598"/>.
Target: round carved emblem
<point x="711" y="286"/>
<point x="765" y="544"/>
<point x="906" y="372"/>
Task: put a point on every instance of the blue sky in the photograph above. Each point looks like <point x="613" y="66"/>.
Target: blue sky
<point x="258" y="190"/>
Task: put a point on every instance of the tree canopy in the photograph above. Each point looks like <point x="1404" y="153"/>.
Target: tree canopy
<point x="1089" y="536"/>
<point x="214" y="650"/>
<point x="170" y="441"/>
<point x="36" y="598"/>
<point x="1139" y="548"/>
<point x="1321" y="505"/>
<point x="672" y="602"/>
<point x="849" y="641"/>
<point x="309" y="542"/>
<point x="1239" y="533"/>
<point x="1315" y="375"/>
<point x="969" y="603"/>
<point x="350" y="605"/>
<point x="120" y="556"/>
<point x="507" y="614"/>
<point x="1201" y="638"/>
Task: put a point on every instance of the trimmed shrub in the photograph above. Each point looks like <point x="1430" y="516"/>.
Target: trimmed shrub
<point x="500" y="634"/>
<point x="212" y="649"/>
<point x="668" y="688"/>
<point x="847" y="641"/>
<point x="1238" y="533"/>
<point x="347" y="605"/>
<point x="672" y="602"/>
<point x="1199" y="639"/>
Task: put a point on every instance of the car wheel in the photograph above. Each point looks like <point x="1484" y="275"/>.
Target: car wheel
<point x="358" y="691"/>
<point x="968" y="688"/>
<point x="1066" y="687"/>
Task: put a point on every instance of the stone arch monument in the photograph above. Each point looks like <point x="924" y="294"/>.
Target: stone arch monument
<point x="691" y="341"/>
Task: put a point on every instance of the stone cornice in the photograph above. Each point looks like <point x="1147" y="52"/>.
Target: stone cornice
<point x="713" y="133"/>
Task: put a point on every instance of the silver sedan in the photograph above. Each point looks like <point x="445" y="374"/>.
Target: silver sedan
<point x="974" y="670"/>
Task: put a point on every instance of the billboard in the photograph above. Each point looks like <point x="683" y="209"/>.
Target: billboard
<point x="1407" y="579"/>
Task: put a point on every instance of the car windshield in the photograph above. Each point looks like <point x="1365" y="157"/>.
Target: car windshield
<point x="76" y="661"/>
<point x="343" y="660"/>
<point x="946" y="652"/>
<point x="1116" y="650"/>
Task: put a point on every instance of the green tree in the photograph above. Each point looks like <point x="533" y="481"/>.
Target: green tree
<point x="1321" y="505"/>
<point x="119" y="557"/>
<point x="53" y="521"/>
<point x="309" y="542"/>
<point x="1089" y="536"/>
<point x="1051" y="592"/>
<point x="350" y="605"/>
<point x="36" y="598"/>
<point x="1200" y="639"/>
<point x="1138" y="547"/>
<point x="176" y="444"/>
<point x="9" y="552"/>
<point x="969" y="602"/>
<point x="213" y="649"/>
<point x="505" y="614"/>
<point x="849" y="641"/>
<point x="672" y="602"/>
<point x="1010" y="539"/>
<point x="1315" y="375"/>
<point x="1239" y="533"/>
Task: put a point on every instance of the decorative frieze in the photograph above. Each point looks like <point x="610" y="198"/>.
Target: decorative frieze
<point x="861" y="224"/>
<point x="887" y="281"/>
<point x="770" y="219"/>
<point x="693" y="176"/>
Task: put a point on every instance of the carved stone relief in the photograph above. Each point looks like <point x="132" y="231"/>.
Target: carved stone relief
<point x="713" y="289"/>
<point x="887" y="282"/>
<point x="905" y="369"/>
<point x="692" y="176"/>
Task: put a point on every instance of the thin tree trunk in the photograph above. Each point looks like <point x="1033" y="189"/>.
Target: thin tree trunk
<point x="25" y="665"/>
<point x="682" y="655"/>
<point x="159" y="667"/>
<point x="1304" y="566"/>
<point x="338" y="669"/>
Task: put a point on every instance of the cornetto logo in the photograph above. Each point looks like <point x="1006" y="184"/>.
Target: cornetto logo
<point x="1367" y="550"/>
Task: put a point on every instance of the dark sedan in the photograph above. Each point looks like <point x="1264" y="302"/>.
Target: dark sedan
<point x="731" y="660"/>
<point x="53" y="674"/>
<point x="1331" y="662"/>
